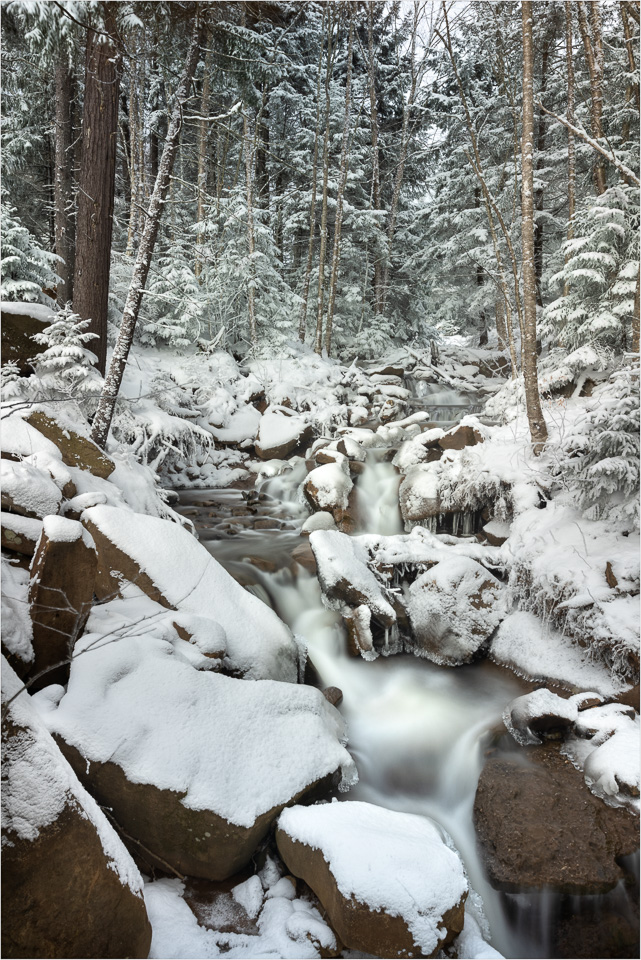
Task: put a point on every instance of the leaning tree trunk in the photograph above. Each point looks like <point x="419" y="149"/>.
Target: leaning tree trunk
<point x="593" y="45"/>
<point x="318" y="340"/>
<point x="104" y="414"/>
<point x="203" y="134"/>
<point x="63" y="183"/>
<point x="94" y="221"/>
<point x="538" y="429"/>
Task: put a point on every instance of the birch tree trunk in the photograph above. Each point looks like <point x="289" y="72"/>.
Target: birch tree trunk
<point x="538" y="429"/>
<point x="302" y="324"/>
<point x="338" y="222"/>
<point x="104" y="414"/>
<point x="63" y="182"/>
<point x="94" y="223"/>
<point x="203" y="132"/>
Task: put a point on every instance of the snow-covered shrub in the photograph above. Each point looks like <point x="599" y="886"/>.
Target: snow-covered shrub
<point x="66" y="368"/>
<point x="601" y="462"/>
<point x="12" y="384"/>
<point x="26" y="270"/>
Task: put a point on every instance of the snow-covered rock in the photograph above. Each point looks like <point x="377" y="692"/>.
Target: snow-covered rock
<point x="389" y="883"/>
<point x="194" y="764"/>
<point x="453" y="609"/>
<point x="61" y="590"/>
<point x="543" y="714"/>
<point x="20" y="534"/>
<point x="17" y="626"/>
<point x="70" y="888"/>
<point x="173" y="569"/>
<point x="73" y="441"/>
<point x="605" y="746"/>
<point x="345" y="575"/>
<point x="318" y="521"/>
<point x="279" y="435"/>
<point x="328" y="487"/>
<point x="27" y="490"/>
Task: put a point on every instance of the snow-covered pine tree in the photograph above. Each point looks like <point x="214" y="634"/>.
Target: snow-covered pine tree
<point x="66" y="368"/>
<point x="26" y="269"/>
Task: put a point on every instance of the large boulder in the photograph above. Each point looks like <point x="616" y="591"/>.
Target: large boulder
<point x="453" y="610"/>
<point x="194" y="765"/>
<point x="388" y="882"/>
<point x="539" y="826"/>
<point x="169" y="565"/>
<point x="280" y="434"/>
<point x="63" y="573"/>
<point x="419" y="496"/>
<point x="69" y="887"/>
<point x="76" y="449"/>
<point x="345" y="575"/>
<point x="459" y="437"/>
<point x="28" y="491"/>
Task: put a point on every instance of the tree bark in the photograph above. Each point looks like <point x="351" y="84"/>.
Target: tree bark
<point x="203" y="133"/>
<point x="593" y="45"/>
<point x="302" y="325"/>
<point x="501" y="330"/>
<point x="569" y="58"/>
<point x="104" y="414"/>
<point x="251" y="236"/>
<point x="338" y="222"/>
<point x="376" y="168"/>
<point x="538" y="429"/>
<point x="541" y="135"/>
<point x="94" y="223"/>
<point x="63" y="183"/>
<point x="318" y="341"/>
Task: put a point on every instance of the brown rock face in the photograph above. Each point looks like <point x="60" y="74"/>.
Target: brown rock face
<point x="495" y="367"/>
<point x="60" y="897"/>
<point x="195" y="843"/>
<point x="17" y="345"/>
<point x="113" y="561"/>
<point x="333" y="695"/>
<point x="358" y="927"/>
<point x="460" y="437"/>
<point x="63" y="573"/>
<point x="76" y="450"/>
<point x="538" y="825"/>
<point x="18" y="535"/>
<point x="284" y="450"/>
<point x="304" y="555"/>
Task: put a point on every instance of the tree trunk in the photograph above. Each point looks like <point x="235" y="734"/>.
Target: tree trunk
<point x="376" y="168"/>
<point x="501" y="330"/>
<point x="635" y="318"/>
<point x="539" y="229"/>
<point x="318" y="341"/>
<point x="96" y="184"/>
<point x="203" y="132"/>
<point x="63" y="183"/>
<point x="571" y="142"/>
<point x="104" y="414"/>
<point x="632" y="89"/>
<point x="302" y="325"/>
<point x="251" y="237"/>
<point x="593" y="45"/>
<point x="338" y="222"/>
<point x="538" y="429"/>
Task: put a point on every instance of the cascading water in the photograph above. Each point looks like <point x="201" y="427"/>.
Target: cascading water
<point x="416" y="730"/>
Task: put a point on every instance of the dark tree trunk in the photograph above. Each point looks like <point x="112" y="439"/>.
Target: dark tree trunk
<point x="538" y="429"/>
<point x="63" y="182"/>
<point x="104" y="414"/>
<point x="96" y="186"/>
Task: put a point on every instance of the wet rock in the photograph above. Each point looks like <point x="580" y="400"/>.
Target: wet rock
<point x="17" y="344"/>
<point x="333" y="695"/>
<point x="20" y="534"/>
<point x="266" y="523"/>
<point x="459" y="437"/>
<point x="611" y="580"/>
<point x="453" y="609"/>
<point x="538" y="825"/>
<point x="304" y="555"/>
<point x="359" y="633"/>
<point x="76" y="450"/>
<point x="69" y="888"/>
<point x="63" y="574"/>
<point x="262" y="563"/>
<point x="413" y="907"/>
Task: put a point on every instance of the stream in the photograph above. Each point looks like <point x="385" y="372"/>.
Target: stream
<point x="417" y="731"/>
